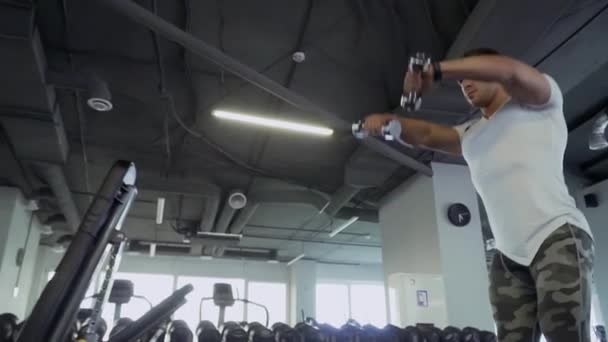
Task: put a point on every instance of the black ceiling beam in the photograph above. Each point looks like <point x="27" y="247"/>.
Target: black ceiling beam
<point x="202" y="49"/>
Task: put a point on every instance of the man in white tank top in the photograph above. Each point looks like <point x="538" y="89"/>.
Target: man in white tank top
<point x="540" y="280"/>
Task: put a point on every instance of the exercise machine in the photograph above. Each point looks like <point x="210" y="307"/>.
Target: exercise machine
<point x="223" y="298"/>
<point x="98" y="243"/>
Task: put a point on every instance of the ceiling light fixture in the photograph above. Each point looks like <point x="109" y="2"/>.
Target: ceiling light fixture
<point x="296" y="259"/>
<point x="343" y="226"/>
<point x="160" y="210"/>
<point x="152" y="250"/>
<point x="273" y="123"/>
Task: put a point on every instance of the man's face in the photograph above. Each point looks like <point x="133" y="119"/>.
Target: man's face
<point x="479" y="94"/>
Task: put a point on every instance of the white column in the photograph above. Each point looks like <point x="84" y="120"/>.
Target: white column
<point x="410" y="255"/>
<point x="302" y="290"/>
<point x="435" y="272"/>
<point x="463" y="261"/>
<point x="14" y="227"/>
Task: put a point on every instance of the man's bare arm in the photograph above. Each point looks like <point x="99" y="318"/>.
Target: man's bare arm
<point x="419" y="133"/>
<point x="523" y="82"/>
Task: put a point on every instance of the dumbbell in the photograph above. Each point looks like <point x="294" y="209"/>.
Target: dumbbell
<point x="259" y="333"/>
<point x="329" y="333"/>
<point x="284" y="333"/>
<point x="370" y="333"/>
<point x="309" y="333"/>
<point x="430" y="333"/>
<point x="412" y="334"/>
<point x="179" y="332"/>
<point x="350" y="332"/>
<point x="390" y="132"/>
<point x="233" y="332"/>
<point x="470" y="334"/>
<point x="207" y="332"/>
<point x="450" y="334"/>
<point x="418" y="64"/>
<point x="100" y="329"/>
<point x="487" y="336"/>
<point x="8" y="327"/>
<point x="600" y="332"/>
<point x="390" y="333"/>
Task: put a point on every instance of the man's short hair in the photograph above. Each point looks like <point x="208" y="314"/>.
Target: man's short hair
<point x="481" y="52"/>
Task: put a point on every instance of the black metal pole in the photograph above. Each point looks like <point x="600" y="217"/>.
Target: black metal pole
<point x="202" y="49"/>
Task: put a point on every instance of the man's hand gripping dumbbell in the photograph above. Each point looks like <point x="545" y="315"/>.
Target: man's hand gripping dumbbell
<point x="412" y="132"/>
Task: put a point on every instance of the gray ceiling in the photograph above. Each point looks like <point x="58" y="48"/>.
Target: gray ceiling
<point x="355" y="58"/>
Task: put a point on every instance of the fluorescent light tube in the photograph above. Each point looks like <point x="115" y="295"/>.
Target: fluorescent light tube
<point x="296" y="259"/>
<point x="344" y="226"/>
<point x="274" y="123"/>
<point x="160" y="210"/>
<point x="152" y="250"/>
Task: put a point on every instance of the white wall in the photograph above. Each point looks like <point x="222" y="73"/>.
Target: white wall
<point x="346" y="273"/>
<point x="303" y="293"/>
<point x="404" y="308"/>
<point x="463" y="261"/>
<point x="16" y="232"/>
<point x="409" y="234"/>
<point x="598" y="220"/>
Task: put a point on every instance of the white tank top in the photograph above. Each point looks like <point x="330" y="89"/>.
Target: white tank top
<point x="516" y="162"/>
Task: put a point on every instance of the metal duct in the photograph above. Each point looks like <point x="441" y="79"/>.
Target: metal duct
<point x="315" y="199"/>
<point x="224" y="220"/>
<point x="210" y="208"/>
<point x="227" y="212"/>
<point x="243" y="217"/>
<point x="54" y="176"/>
<point x="29" y="115"/>
<point x="240" y="222"/>
<point x="340" y="198"/>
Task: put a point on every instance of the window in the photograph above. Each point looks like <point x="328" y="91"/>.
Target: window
<point x="271" y="295"/>
<point x="368" y="304"/>
<point x="365" y="303"/>
<point x="203" y="288"/>
<point x="332" y="304"/>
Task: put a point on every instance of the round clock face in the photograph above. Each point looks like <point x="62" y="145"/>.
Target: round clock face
<point x="459" y="215"/>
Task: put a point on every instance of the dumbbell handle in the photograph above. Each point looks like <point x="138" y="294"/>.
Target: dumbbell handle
<point x="412" y="100"/>
<point x="390" y="132"/>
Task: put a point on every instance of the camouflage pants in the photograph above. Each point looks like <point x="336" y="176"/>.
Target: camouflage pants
<point x="552" y="296"/>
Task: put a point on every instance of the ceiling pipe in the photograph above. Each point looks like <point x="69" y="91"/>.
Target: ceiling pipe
<point x="210" y="209"/>
<point x="54" y="176"/>
<point x="340" y="198"/>
<point x="99" y="96"/>
<point x="202" y="49"/>
<point x="240" y="222"/>
<point x="242" y="218"/>
<point x="34" y="127"/>
<point x="236" y="200"/>
<point x="209" y="214"/>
